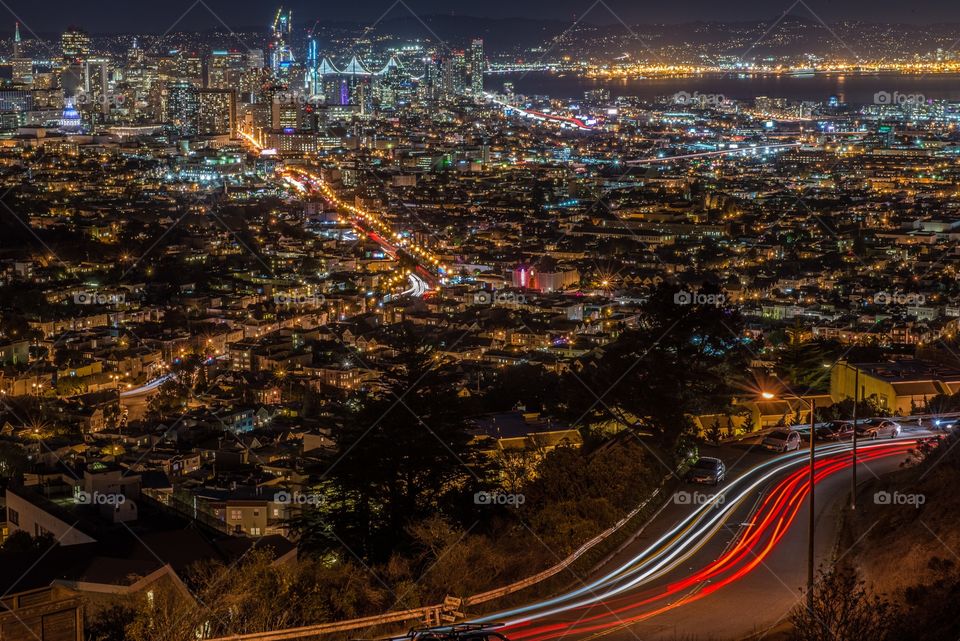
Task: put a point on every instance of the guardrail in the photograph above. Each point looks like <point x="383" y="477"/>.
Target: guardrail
<point x="490" y="595"/>
<point x="445" y="612"/>
<point x="432" y="615"/>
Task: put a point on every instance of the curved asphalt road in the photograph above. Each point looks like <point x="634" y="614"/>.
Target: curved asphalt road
<point x="716" y="563"/>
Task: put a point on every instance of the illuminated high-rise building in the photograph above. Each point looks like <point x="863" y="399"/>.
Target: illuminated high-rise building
<point x="140" y="76"/>
<point x="313" y="68"/>
<point x="75" y="45"/>
<point x="431" y="83"/>
<point x="224" y="69"/>
<point x="280" y="52"/>
<point x="393" y="85"/>
<point x="16" y="100"/>
<point x="254" y="59"/>
<point x="218" y="70"/>
<point x="478" y="65"/>
<point x="286" y="116"/>
<point x="98" y="100"/>
<point x="453" y="75"/>
<point x="22" y="68"/>
<point x="178" y="65"/>
<point x="286" y="108"/>
<point x="135" y="54"/>
<point x="250" y="82"/>
<point x="216" y="112"/>
<point x="182" y="107"/>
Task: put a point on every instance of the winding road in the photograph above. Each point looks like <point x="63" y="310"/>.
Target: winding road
<point x="716" y="562"/>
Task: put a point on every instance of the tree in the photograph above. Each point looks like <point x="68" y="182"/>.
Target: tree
<point x="682" y="360"/>
<point x="802" y="362"/>
<point x="592" y="490"/>
<point x="731" y="428"/>
<point x="448" y="561"/>
<point x="516" y="467"/>
<point x="110" y="624"/>
<point x="843" y="610"/>
<point x="714" y="434"/>
<point x="943" y="403"/>
<point x="170" y="399"/>
<point x="23" y="543"/>
<point x="529" y="385"/>
<point x="404" y="453"/>
<point x="242" y="598"/>
<point x="13" y="462"/>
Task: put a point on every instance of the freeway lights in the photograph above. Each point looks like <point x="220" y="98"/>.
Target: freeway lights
<point x="253" y="141"/>
<point x="296" y="184"/>
<point x="400" y="239"/>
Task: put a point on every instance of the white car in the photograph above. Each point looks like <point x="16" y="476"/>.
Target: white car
<point x="782" y="441"/>
<point x="879" y="427"/>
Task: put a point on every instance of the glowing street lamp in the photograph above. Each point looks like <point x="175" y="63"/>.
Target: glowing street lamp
<point x="811" y="524"/>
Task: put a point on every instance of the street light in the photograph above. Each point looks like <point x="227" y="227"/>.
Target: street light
<point x="812" y="404"/>
<point x="853" y="478"/>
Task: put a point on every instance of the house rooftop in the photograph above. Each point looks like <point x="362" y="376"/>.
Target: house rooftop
<point x="909" y="371"/>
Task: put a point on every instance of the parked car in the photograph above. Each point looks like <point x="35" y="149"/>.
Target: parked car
<point x="835" y="431"/>
<point x="782" y="441"/>
<point x="878" y="427"/>
<point x="459" y="632"/>
<point x="707" y="470"/>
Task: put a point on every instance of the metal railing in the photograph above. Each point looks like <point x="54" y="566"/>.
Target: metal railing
<point x="447" y="611"/>
<point x="431" y="615"/>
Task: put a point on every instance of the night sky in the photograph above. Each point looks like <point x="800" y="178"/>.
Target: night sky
<point x="105" y="16"/>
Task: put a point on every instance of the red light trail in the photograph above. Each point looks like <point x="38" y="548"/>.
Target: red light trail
<point x="771" y="521"/>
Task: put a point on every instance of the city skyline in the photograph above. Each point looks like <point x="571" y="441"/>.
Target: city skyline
<point x="433" y="328"/>
<point x="113" y="16"/>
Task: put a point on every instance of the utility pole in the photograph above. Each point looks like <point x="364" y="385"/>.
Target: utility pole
<point x="810" y="531"/>
<point x="853" y="478"/>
